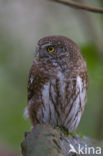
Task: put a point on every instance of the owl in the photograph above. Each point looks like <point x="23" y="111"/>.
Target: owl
<point x="58" y="83"/>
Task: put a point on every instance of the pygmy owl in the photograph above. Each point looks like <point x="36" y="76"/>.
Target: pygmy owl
<point x="58" y="83"/>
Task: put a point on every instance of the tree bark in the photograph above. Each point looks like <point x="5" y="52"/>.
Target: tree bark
<point x="43" y="140"/>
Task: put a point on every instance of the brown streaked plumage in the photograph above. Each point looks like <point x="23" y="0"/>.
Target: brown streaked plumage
<point x="58" y="82"/>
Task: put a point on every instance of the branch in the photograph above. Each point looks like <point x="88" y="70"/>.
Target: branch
<point x="80" y="6"/>
<point x="43" y="140"/>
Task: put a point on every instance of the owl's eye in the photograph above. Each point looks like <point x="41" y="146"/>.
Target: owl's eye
<point x="51" y="49"/>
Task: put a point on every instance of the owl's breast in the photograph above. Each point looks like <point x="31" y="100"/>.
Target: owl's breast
<point x="53" y="99"/>
<point x="63" y="101"/>
<point x="56" y="98"/>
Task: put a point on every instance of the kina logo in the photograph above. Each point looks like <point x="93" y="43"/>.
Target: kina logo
<point x="85" y="150"/>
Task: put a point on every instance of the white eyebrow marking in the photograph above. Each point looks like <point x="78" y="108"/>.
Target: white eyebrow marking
<point x="46" y="44"/>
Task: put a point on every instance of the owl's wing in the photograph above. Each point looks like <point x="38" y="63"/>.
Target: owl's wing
<point x="38" y="78"/>
<point x="30" y="89"/>
<point x="32" y="75"/>
<point x="35" y="83"/>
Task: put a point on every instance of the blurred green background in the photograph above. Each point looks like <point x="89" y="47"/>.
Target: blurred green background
<point x="22" y="24"/>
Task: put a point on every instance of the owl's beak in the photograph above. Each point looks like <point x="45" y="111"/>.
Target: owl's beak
<point x="38" y="58"/>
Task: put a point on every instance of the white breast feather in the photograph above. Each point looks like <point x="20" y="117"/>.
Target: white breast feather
<point x="45" y="98"/>
<point x="78" y="104"/>
<point x="61" y="83"/>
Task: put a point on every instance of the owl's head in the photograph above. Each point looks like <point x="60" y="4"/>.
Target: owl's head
<point x="57" y="48"/>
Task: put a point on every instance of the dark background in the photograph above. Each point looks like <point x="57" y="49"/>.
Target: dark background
<point x="22" y="24"/>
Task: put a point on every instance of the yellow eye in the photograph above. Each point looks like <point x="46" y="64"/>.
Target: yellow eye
<point x="51" y="49"/>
